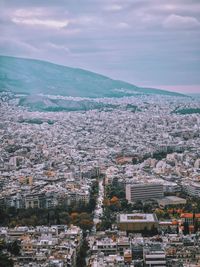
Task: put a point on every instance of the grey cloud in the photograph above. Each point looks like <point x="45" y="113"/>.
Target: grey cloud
<point x="181" y="22"/>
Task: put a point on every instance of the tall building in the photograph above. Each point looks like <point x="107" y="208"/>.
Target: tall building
<point x="144" y="191"/>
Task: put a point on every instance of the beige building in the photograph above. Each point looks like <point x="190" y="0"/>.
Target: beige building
<point x="171" y="201"/>
<point x="137" y="222"/>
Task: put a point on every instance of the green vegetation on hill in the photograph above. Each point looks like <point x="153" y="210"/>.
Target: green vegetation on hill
<point x="35" y="121"/>
<point x="185" y="111"/>
<point x="35" y="76"/>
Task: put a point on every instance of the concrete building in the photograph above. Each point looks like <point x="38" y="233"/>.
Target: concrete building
<point x="192" y="188"/>
<point x="154" y="255"/>
<point x="106" y="245"/>
<point x="137" y="222"/>
<point x="123" y="244"/>
<point x="34" y="201"/>
<point x="145" y="191"/>
<point x="171" y="201"/>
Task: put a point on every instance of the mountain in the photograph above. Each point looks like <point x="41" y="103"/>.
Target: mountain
<point x="32" y="76"/>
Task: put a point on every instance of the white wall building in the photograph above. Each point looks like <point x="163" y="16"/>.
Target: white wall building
<point x="144" y="191"/>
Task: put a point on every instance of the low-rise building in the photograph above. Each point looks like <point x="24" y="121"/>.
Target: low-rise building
<point x="171" y="201"/>
<point x="137" y="222"/>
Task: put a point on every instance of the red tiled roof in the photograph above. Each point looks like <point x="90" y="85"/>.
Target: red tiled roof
<point x="190" y="215"/>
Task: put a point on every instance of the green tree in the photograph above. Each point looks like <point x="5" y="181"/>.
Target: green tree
<point x="64" y="217"/>
<point x="82" y="254"/>
<point x="186" y="230"/>
<point x="196" y="226"/>
<point x="14" y="247"/>
<point x="5" y="261"/>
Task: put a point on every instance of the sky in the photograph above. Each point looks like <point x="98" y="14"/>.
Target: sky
<point x="152" y="43"/>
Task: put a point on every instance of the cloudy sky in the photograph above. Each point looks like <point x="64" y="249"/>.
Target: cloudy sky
<point x="145" y="42"/>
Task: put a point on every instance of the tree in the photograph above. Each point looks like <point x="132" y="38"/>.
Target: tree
<point x="177" y="229"/>
<point x="169" y="230"/>
<point x="2" y="244"/>
<point x="147" y="207"/>
<point x="138" y="205"/>
<point x="193" y="217"/>
<point x="92" y="204"/>
<point x="196" y="226"/>
<point x="86" y="224"/>
<point x="82" y="254"/>
<point x="114" y="200"/>
<point x="145" y="231"/>
<point x="124" y="204"/>
<point x="64" y="217"/>
<point x="48" y="218"/>
<point x="186" y="230"/>
<point x="5" y="261"/>
<point x="153" y="230"/>
<point x="74" y="218"/>
<point x="14" y="247"/>
<point x="115" y="190"/>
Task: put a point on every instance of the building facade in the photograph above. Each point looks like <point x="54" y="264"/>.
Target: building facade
<point x="135" y="192"/>
<point x="137" y="222"/>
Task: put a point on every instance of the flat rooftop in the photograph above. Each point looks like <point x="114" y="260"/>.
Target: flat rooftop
<point x="137" y="217"/>
<point x="170" y="200"/>
<point x="174" y="198"/>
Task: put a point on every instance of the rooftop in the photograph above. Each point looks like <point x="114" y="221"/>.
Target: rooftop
<point x="190" y="215"/>
<point x="137" y="217"/>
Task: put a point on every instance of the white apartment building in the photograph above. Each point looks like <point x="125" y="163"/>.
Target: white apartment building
<point x="192" y="188"/>
<point x="144" y="191"/>
<point x="106" y="245"/>
<point x="154" y="256"/>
